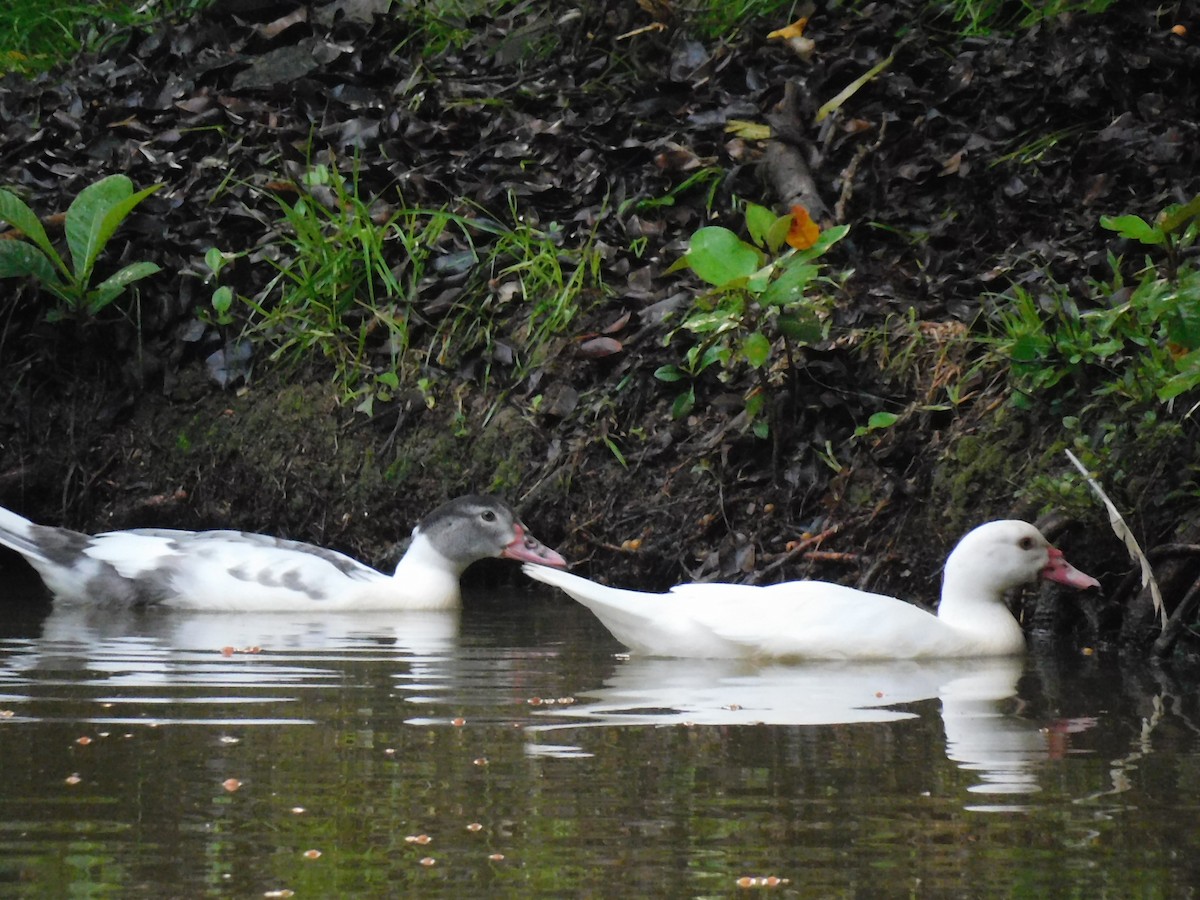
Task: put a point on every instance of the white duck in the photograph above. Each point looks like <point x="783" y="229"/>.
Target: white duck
<point x="235" y="571"/>
<point x="819" y="620"/>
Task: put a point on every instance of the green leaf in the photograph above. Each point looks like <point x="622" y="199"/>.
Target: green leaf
<point x="683" y="404"/>
<point x="19" y="259"/>
<point x="222" y="299"/>
<point x="391" y="379"/>
<point x="803" y="328"/>
<point x="708" y="321"/>
<point x="720" y="257"/>
<point x="759" y="220"/>
<point x="757" y="349"/>
<point x="1175" y="217"/>
<point x="882" y="420"/>
<point x="1134" y="228"/>
<point x="761" y="429"/>
<point x="84" y="218"/>
<point x="14" y="211"/>
<point x="778" y="232"/>
<point x="95" y="215"/>
<point x="111" y="288"/>
<point x="791" y="284"/>
<point x="755" y="403"/>
<point x="669" y="374"/>
<point x="214" y="259"/>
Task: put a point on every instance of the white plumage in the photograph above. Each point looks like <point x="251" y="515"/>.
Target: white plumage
<point x="820" y="620"/>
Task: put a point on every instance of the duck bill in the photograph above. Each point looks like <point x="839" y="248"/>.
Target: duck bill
<point x="526" y="548"/>
<point x="1058" y="569"/>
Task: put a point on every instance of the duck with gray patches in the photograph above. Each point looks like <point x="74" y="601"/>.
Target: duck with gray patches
<point x="227" y="571"/>
<point x="819" y="620"/>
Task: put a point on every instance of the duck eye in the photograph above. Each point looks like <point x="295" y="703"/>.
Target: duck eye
<point x="1025" y="543"/>
<point x="488" y="516"/>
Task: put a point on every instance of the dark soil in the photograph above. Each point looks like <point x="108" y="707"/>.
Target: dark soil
<point x="966" y="166"/>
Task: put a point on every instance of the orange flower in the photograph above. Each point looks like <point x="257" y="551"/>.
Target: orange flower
<point x="803" y="232"/>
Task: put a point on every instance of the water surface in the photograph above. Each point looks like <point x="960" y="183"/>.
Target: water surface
<point x="512" y="750"/>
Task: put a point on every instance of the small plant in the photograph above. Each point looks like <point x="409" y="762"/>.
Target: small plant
<point x="980" y="17"/>
<point x="1139" y="342"/>
<point x="91" y="220"/>
<point x="351" y="272"/>
<point x="222" y="295"/>
<point x="759" y="300"/>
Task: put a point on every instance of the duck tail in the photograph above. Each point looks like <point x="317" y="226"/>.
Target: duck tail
<point x="16" y="532"/>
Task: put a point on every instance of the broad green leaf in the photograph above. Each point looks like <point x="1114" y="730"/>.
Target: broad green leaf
<point x="803" y="328"/>
<point x="720" y="257"/>
<point x="757" y="349"/>
<point x="778" y="232"/>
<point x="111" y="288"/>
<point x="1173" y="218"/>
<point x="1183" y="328"/>
<point x="708" y="321"/>
<point x="759" y="220"/>
<point x="84" y="218"/>
<point x="14" y="211"/>
<point x="20" y="259"/>
<point x="683" y="404"/>
<point x="222" y="299"/>
<point x="95" y="215"/>
<point x="214" y="259"/>
<point x="669" y="374"/>
<point x="790" y="285"/>
<point x="882" y="420"/>
<point x="825" y="240"/>
<point x="391" y="379"/>
<point x="761" y="428"/>
<point x="1134" y="228"/>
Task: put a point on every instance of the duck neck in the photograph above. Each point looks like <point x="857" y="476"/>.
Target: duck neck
<point x="978" y="612"/>
<point x="423" y="570"/>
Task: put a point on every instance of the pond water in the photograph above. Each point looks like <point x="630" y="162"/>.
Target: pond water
<point x="512" y="750"/>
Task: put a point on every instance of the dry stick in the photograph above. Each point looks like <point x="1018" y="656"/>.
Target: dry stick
<point x="798" y="550"/>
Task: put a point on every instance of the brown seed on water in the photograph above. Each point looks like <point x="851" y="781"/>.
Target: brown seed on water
<point x="480" y="761"/>
<point x="284" y="892"/>
<point x="312" y="854"/>
<point x="74" y="778"/>
<point x="298" y="810"/>
<point x="418" y="839"/>
<point x="428" y="861"/>
<point x="389" y="751"/>
<point x="475" y="826"/>
<point x="6" y="713"/>
<point x="495" y="857"/>
<point x="566" y="701"/>
<point x="535" y="701"/>
<point x="459" y="722"/>
<point x="231" y="784"/>
<point x="83" y="741"/>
